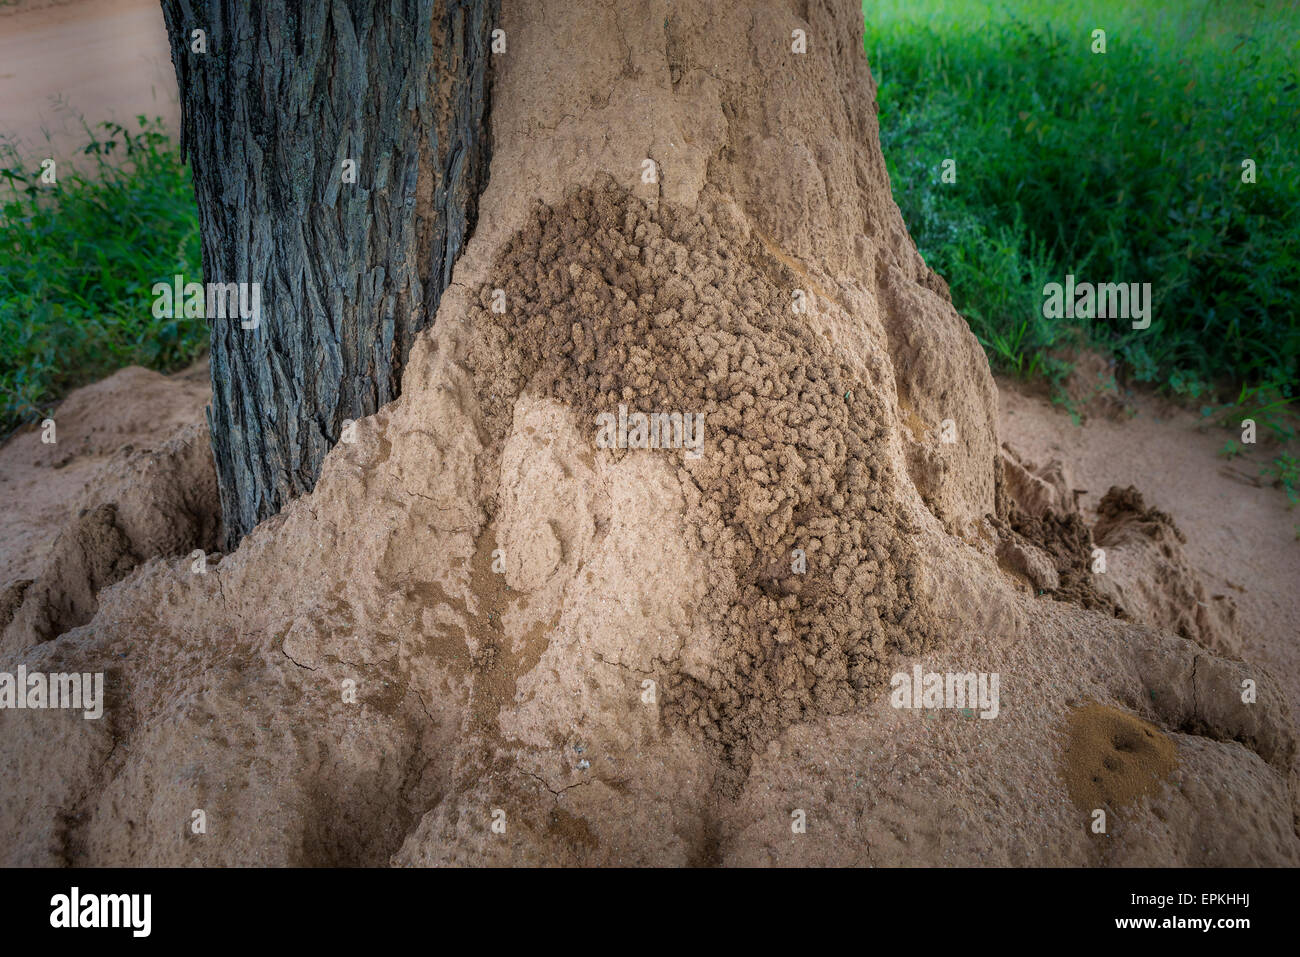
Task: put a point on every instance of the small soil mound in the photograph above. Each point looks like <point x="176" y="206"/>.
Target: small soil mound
<point x="1125" y="506"/>
<point x="128" y="478"/>
<point x="1113" y="758"/>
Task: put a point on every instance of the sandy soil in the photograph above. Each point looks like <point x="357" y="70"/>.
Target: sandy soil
<point x="885" y="787"/>
<point x="129" y="475"/>
<point x="1241" y="536"/>
<point x="98" y="428"/>
<point x="104" y="60"/>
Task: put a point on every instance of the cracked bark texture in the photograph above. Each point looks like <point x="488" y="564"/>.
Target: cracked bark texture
<point x="349" y="273"/>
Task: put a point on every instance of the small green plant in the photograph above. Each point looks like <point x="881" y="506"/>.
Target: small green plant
<point x="1269" y="406"/>
<point x="1187" y="385"/>
<point x="79" y="259"/>
<point x="1284" y="470"/>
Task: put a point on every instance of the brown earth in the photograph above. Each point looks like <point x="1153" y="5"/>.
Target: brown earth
<point x="1113" y="758"/>
<point x="1232" y="527"/>
<point x="480" y="617"/>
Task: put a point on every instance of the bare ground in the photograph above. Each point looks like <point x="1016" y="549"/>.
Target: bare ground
<point x="357" y="684"/>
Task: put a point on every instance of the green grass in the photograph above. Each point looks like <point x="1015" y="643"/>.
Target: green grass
<point x="79" y="258"/>
<point x="1123" y="166"/>
<point x="1284" y="471"/>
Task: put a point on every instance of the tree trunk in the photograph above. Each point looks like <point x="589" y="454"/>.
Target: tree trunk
<point x="281" y="101"/>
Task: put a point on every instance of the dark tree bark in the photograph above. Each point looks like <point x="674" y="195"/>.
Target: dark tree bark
<point x="285" y="93"/>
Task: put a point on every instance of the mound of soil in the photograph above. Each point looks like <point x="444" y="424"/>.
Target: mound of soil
<point x="125" y="474"/>
<point x="614" y="304"/>
<point x="485" y="638"/>
<point x="1113" y="757"/>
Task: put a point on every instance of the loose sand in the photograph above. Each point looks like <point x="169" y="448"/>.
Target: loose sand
<point x="1112" y="758"/>
<point x="1241" y="539"/>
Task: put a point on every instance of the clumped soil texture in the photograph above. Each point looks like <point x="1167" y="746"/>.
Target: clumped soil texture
<point x="610" y="302"/>
<point x="1067" y="540"/>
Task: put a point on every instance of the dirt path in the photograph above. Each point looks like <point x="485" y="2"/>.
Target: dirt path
<point x="97" y="59"/>
<point x="1241" y="538"/>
